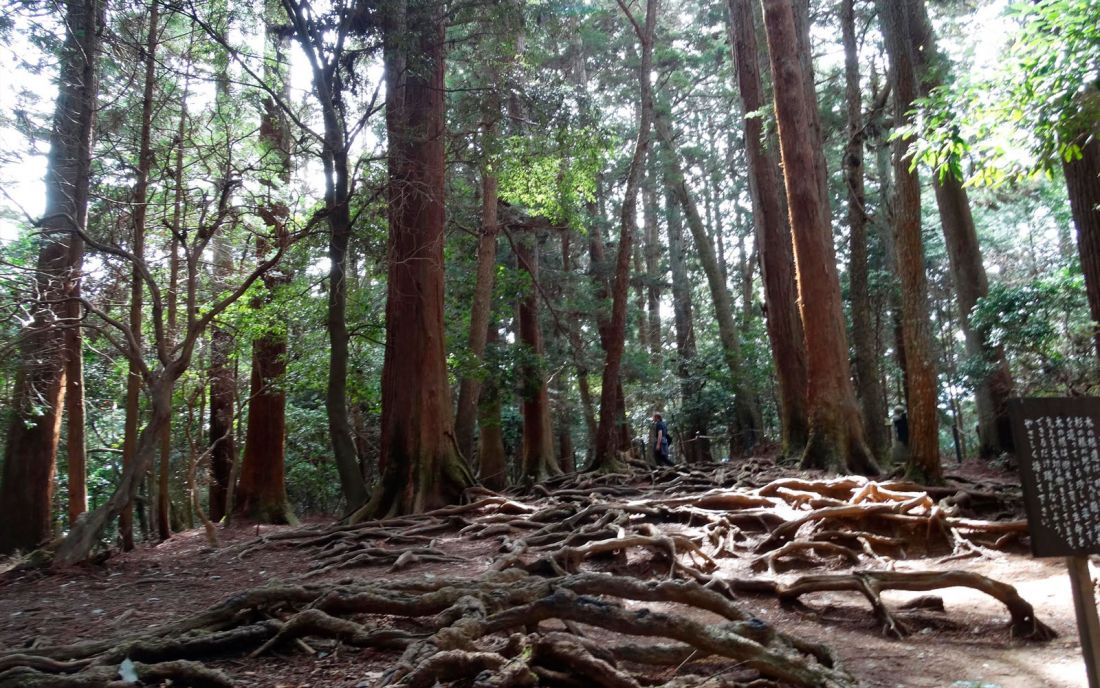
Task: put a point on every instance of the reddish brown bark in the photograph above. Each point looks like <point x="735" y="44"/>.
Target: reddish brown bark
<point x="964" y="254"/>
<point x="538" y="445"/>
<point x="421" y="467"/>
<point x="836" y="437"/>
<point x="802" y="27"/>
<point x="261" y="489"/>
<point x="773" y="237"/>
<point x="866" y="360"/>
<point x="924" y="451"/>
<point x="223" y="391"/>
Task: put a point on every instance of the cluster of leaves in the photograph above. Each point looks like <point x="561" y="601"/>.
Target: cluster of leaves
<point x="1030" y="114"/>
<point x="554" y="182"/>
<point x="1045" y="331"/>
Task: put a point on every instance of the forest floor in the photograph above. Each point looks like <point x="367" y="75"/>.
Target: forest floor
<point x="965" y="644"/>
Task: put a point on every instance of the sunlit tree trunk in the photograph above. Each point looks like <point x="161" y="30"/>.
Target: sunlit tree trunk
<point x="924" y="450"/>
<point x="836" y="435"/>
<point x="802" y="25"/>
<point x="994" y="389"/>
<point x="773" y="236"/>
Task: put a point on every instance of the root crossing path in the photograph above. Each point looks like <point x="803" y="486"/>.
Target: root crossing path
<point x="642" y="578"/>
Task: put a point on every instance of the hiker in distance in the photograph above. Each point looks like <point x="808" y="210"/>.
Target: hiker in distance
<point x="661" y="442"/>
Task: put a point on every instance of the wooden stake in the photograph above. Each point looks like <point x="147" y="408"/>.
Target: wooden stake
<point x="1088" y="624"/>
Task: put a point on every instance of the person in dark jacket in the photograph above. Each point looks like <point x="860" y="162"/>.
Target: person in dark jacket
<point x="661" y="442"/>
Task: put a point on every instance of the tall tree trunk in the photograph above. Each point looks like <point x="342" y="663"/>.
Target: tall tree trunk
<point x="745" y="407"/>
<point x="654" y="276"/>
<point x="694" y="444"/>
<point x="1083" y="187"/>
<point x="140" y="200"/>
<point x="421" y="467"/>
<point x="49" y="354"/>
<point x="964" y="255"/>
<point x="868" y="377"/>
<point x="222" y="375"/>
<point x="223" y="392"/>
<point x="836" y="436"/>
<point x="607" y="444"/>
<point x="577" y="349"/>
<point x="884" y="226"/>
<point x="640" y="294"/>
<point x="261" y="489"/>
<point x="924" y="450"/>
<point x="336" y="393"/>
<point x="334" y="158"/>
<point x="164" y="528"/>
<point x="802" y="24"/>
<point x="599" y="268"/>
<point x="773" y="237"/>
<point x="74" y="383"/>
<point x="480" y="309"/>
<point x="538" y="440"/>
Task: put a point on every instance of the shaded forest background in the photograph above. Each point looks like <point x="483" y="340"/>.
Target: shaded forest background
<point x="351" y="258"/>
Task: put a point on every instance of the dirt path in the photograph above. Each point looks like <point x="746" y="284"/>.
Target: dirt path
<point x="966" y="645"/>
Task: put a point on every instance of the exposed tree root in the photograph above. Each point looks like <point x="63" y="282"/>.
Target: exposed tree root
<point x="182" y="673"/>
<point x="467" y="623"/>
<point x="872" y="583"/>
<point x="547" y="612"/>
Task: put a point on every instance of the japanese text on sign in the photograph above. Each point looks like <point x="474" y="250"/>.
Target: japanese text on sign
<point x="1060" y="469"/>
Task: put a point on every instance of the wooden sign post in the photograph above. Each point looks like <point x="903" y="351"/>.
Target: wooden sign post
<point x="1058" y="447"/>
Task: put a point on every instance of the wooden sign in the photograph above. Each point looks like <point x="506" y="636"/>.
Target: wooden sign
<point x="1058" y="448"/>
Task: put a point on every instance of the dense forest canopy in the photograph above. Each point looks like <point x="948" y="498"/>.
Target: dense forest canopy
<point x="278" y="259"/>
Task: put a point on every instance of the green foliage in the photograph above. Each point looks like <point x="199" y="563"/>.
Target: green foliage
<point x="1045" y="330"/>
<point x="1027" y="117"/>
<point x="553" y="181"/>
